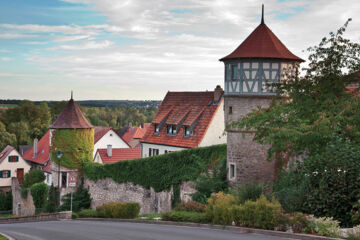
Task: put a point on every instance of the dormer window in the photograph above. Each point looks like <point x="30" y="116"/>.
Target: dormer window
<point x="187" y="131"/>
<point x="171" y="129"/>
<point x="234" y="72"/>
<point x="156" y="128"/>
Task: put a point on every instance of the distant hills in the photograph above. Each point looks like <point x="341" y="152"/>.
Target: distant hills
<point x="94" y="103"/>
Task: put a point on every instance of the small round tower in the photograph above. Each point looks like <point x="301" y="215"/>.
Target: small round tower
<point x="261" y="59"/>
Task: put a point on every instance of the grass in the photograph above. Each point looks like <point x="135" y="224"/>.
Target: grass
<point x="5" y="215"/>
<point x="150" y="216"/>
<point x="2" y="237"/>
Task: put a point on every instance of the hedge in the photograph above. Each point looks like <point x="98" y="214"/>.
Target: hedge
<point x="159" y="172"/>
<point x="126" y="210"/>
<point x="181" y="216"/>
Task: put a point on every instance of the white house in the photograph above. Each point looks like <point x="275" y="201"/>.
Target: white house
<point x="186" y="120"/>
<point x="105" y="136"/>
<point x="11" y="165"/>
<point x="112" y="155"/>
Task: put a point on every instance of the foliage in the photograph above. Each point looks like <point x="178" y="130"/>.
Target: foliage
<point x="190" y="207"/>
<point x="324" y="226"/>
<point x="81" y="199"/>
<point x="184" y="216"/>
<point x="175" y="198"/>
<point x="332" y="180"/>
<point x="87" y="213"/>
<point x="5" y="201"/>
<point x="259" y="214"/>
<point x="159" y="172"/>
<point x="7" y="139"/>
<point x="126" y="210"/>
<point x="74" y="215"/>
<point x="218" y="208"/>
<point x="39" y="194"/>
<point x="32" y="177"/>
<point x="211" y="182"/>
<point x="51" y="204"/>
<point x="299" y="223"/>
<point x="248" y="191"/>
<point x="76" y="145"/>
<point x="320" y="106"/>
<point x="290" y="190"/>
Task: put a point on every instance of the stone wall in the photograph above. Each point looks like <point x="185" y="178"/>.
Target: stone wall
<point x="21" y="207"/>
<point x="107" y="190"/>
<point x="37" y="218"/>
<point x="248" y="156"/>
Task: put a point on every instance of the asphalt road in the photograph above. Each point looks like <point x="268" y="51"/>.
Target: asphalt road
<point x="89" y="230"/>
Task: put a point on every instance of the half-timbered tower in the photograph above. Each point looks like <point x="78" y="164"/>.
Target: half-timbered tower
<point x="250" y="69"/>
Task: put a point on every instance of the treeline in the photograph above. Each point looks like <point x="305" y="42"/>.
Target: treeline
<point x="21" y="124"/>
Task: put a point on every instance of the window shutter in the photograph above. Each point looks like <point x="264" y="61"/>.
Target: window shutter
<point x="9" y="158"/>
<point x="9" y="173"/>
<point x="1" y="174"/>
<point x="17" y="158"/>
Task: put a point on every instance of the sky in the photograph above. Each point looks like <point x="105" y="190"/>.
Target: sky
<point x="141" y="49"/>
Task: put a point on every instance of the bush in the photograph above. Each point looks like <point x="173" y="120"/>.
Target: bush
<point x="218" y="208"/>
<point x="39" y="194"/>
<point x="299" y="223"/>
<point x="87" y="213"/>
<point x="32" y="177"/>
<point x="182" y="216"/>
<point x="248" y="191"/>
<point x="190" y="207"/>
<point x="74" y="215"/>
<point x="259" y="214"/>
<point x="126" y="210"/>
<point x="81" y="199"/>
<point x="5" y="201"/>
<point x="324" y="226"/>
<point x="51" y="204"/>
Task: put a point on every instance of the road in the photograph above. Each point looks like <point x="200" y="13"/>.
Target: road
<point x="97" y="230"/>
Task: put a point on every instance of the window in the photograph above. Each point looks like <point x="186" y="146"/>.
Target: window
<point x="156" y="128"/>
<point x="234" y="72"/>
<point x="150" y="152"/>
<point x="171" y="129"/>
<point x="187" y="131"/>
<point x="165" y="151"/>
<point x="13" y="158"/>
<point x="155" y="152"/>
<point x="64" y="179"/>
<point x="232" y="171"/>
<point x="5" y="174"/>
<point x="110" y="134"/>
<point x="230" y="110"/>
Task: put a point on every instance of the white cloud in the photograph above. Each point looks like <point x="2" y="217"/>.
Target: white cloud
<point x="15" y="35"/>
<point x="5" y="59"/>
<point x="70" y="38"/>
<point x="85" y="45"/>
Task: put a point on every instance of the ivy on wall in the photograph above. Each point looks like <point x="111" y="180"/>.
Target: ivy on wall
<point x="159" y="172"/>
<point x="76" y="145"/>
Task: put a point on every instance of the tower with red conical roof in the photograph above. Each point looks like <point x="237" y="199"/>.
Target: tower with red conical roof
<point x="261" y="59"/>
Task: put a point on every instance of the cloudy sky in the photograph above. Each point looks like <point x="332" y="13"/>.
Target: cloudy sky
<point x="140" y="49"/>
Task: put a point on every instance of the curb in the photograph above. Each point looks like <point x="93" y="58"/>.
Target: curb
<point x="217" y="227"/>
<point x="7" y="236"/>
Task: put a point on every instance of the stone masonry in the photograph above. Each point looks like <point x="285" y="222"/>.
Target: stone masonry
<point x="21" y="207"/>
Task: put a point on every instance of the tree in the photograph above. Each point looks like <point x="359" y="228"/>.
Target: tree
<point x="7" y="139"/>
<point x="51" y="204"/>
<point x="81" y="199"/>
<point x="308" y="110"/>
<point x="32" y="177"/>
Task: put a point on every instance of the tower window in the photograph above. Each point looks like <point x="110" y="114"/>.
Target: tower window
<point x="234" y="72"/>
<point x="232" y="171"/>
<point x="230" y="110"/>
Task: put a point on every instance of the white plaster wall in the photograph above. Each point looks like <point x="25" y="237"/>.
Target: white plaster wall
<point x="12" y="166"/>
<point x="145" y="148"/>
<point x="97" y="158"/>
<point x="215" y="132"/>
<point x="110" y="138"/>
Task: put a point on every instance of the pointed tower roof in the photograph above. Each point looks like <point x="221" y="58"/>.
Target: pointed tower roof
<point x="71" y="117"/>
<point x="262" y="43"/>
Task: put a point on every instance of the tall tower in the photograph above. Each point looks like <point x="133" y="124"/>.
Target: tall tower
<point x="261" y="59"/>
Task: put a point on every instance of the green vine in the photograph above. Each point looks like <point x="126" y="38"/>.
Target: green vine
<point x="159" y="172"/>
<point x="76" y="145"/>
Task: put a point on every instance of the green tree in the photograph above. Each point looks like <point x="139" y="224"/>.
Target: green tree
<point x="22" y="132"/>
<point x="51" y="204"/>
<point x="39" y="194"/>
<point x="7" y="139"/>
<point x="81" y="199"/>
<point x="32" y="177"/>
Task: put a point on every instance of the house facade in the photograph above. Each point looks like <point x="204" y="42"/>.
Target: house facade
<point x="104" y="136"/>
<point x="11" y="165"/>
<point x="186" y="120"/>
<point x="132" y="135"/>
<point x="250" y="69"/>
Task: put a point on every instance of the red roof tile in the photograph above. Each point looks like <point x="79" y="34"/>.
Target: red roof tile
<point x="4" y="153"/>
<point x="99" y="132"/>
<point x="133" y="132"/>
<point x="43" y="151"/>
<point x="71" y="117"/>
<point x="119" y="154"/>
<point x="196" y="105"/>
<point x="262" y="43"/>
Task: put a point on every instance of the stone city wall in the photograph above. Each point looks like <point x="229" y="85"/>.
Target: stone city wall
<point x="21" y="207"/>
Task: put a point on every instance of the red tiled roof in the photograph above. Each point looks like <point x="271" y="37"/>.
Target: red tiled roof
<point x="43" y="151"/>
<point x="47" y="168"/>
<point x="119" y="154"/>
<point x="6" y="152"/>
<point x="196" y="105"/>
<point x="99" y="132"/>
<point x="71" y="117"/>
<point x="262" y="43"/>
<point x="133" y="132"/>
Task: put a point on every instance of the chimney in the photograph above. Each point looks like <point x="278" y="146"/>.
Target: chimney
<point x="130" y="124"/>
<point x="218" y="92"/>
<point x="109" y="150"/>
<point x="35" y="147"/>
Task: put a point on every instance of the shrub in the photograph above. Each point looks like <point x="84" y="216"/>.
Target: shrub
<point x="74" y="215"/>
<point x="299" y="223"/>
<point x="183" y="216"/>
<point x="324" y="226"/>
<point x="39" y="194"/>
<point x="190" y="207"/>
<point x="5" y="201"/>
<point x="259" y="214"/>
<point x="248" y="191"/>
<point x="32" y="177"/>
<point x="127" y="210"/>
<point x="81" y="199"/>
<point x="51" y="204"/>
<point x="218" y="208"/>
<point x="87" y="213"/>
